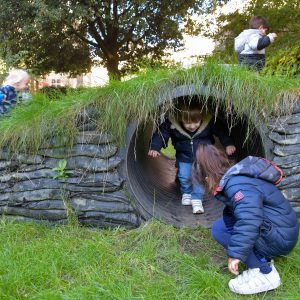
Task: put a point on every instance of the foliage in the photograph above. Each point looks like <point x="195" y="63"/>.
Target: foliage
<point x="62" y="173"/>
<point x="154" y="261"/>
<point x="283" y="18"/>
<point x="285" y="62"/>
<point x="69" y="35"/>
<point x="137" y="99"/>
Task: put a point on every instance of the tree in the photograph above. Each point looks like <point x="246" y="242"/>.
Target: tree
<point x="70" y="35"/>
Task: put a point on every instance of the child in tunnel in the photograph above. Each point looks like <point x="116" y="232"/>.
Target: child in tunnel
<point x="188" y="127"/>
<point x="258" y="222"/>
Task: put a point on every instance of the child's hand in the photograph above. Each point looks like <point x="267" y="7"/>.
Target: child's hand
<point x="274" y="35"/>
<point x="230" y="150"/>
<point x="153" y="153"/>
<point x="233" y="265"/>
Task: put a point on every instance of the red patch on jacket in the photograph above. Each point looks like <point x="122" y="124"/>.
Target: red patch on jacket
<point x="238" y="196"/>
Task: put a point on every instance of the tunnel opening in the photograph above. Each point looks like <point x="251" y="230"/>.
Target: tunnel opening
<point x="153" y="184"/>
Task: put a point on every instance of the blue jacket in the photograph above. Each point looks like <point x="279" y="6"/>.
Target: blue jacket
<point x="256" y="211"/>
<point x="186" y="143"/>
<point x="10" y="98"/>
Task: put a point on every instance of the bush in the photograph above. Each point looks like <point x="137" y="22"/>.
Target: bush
<point x="285" y="62"/>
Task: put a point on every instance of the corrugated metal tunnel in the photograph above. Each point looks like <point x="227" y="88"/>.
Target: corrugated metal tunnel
<point x="152" y="182"/>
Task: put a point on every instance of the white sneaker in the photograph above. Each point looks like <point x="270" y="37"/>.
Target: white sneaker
<point x="197" y="206"/>
<point x="186" y="199"/>
<point x="253" y="281"/>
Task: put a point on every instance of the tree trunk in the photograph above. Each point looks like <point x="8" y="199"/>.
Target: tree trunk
<point x="113" y="69"/>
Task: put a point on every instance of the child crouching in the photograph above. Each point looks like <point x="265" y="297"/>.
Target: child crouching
<point x="258" y="222"/>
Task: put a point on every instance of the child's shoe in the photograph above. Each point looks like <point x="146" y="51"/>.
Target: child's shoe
<point x="253" y="281"/>
<point x="186" y="199"/>
<point x="197" y="206"/>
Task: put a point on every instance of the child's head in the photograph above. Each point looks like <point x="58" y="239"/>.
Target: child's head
<point x="17" y="78"/>
<point x="190" y="117"/>
<point x="210" y="165"/>
<point x="258" y="22"/>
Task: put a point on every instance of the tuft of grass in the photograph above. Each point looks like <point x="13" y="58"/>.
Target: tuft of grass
<point x="142" y="99"/>
<point x="154" y="261"/>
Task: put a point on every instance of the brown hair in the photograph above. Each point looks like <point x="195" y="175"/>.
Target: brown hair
<point x="189" y="114"/>
<point x="210" y="165"/>
<point x="258" y="21"/>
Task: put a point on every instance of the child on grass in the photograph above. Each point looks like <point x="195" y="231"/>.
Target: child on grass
<point x="258" y="223"/>
<point x="17" y="80"/>
<point x="251" y="43"/>
<point x="187" y="129"/>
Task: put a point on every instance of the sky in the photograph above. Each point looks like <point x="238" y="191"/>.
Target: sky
<point x="194" y="46"/>
<point x="198" y="45"/>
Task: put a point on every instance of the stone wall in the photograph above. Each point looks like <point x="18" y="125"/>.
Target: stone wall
<point x="285" y="134"/>
<point x="93" y="189"/>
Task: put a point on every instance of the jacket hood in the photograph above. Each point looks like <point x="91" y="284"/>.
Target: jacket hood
<point x="175" y="124"/>
<point x="255" y="167"/>
<point x="243" y="38"/>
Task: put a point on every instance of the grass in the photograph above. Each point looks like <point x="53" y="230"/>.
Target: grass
<point x="155" y="261"/>
<point x="28" y="127"/>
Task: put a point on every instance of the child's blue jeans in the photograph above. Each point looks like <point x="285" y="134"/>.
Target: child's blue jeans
<point x="222" y="235"/>
<point x="187" y="184"/>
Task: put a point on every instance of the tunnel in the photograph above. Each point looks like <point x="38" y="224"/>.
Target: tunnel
<point x="152" y="182"/>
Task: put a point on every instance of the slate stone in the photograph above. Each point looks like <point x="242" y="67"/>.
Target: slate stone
<point x="83" y="204"/>
<point x="36" y="184"/>
<point x="51" y="214"/>
<point x="290" y="180"/>
<point x="93" y="137"/>
<point x="287" y="161"/>
<point x="285" y="139"/>
<point x="100" y="189"/>
<point x="118" y="217"/>
<point x="31" y="220"/>
<point x="19" y="176"/>
<point x="286" y="129"/>
<point x="87" y="126"/>
<point x="94" y="151"/>
<point x="292" y="193"/>
<point x="291" y="171"/>
<point x="43" y="205"/>
<point x="102" y="223"/>
<point x="97" y="179"/>
<point x="21" y="158"/>
<point x="119" y="196"/>
<point x="296" y="107"/>
<point x="87" y="163"/>
<point x="35" y="195"/>
<point x="290" y="119"/>
<point x="286" y="150"/>
<point x="6" y="164"/>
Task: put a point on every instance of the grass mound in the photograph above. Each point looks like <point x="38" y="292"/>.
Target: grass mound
<point x="136" y="99"/>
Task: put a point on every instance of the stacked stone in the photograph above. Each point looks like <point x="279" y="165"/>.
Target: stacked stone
<point x="285" y="133"/>
<point x="93" y="189"/>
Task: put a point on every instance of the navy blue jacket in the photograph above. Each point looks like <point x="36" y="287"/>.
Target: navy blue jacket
<point x="186" y="143"/>
<point x="256" y="210"/>
<point x="10" y="98"/>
